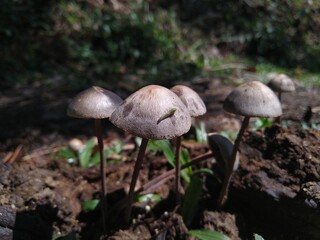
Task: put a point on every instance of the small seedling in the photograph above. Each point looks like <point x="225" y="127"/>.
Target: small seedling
<point x="147" y="198"/>
<point x="90" y="205"/>
<point x="165" y="147"/>
<point x="87" y="157"/>
<point x="262" y="123"/>
<point x="201" y="133"/>
<point x="257" y="237"/>
<point x="205" y="234"/>
<point x="191" y="199"/>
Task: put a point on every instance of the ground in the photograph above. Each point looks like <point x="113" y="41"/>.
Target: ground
<point x="274" y="192"/>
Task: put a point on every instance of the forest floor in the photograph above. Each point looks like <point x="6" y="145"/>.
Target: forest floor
<point x="274" y="192"/>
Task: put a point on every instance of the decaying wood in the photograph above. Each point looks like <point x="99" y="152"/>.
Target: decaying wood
<point x="278" y="182"/>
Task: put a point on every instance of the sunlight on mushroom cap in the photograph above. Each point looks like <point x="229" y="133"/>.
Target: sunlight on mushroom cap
<point x="94" y="102"/>
<point x="253" y="99"/>
<point x="153" y="112"/>
<point x="191" y="99"/>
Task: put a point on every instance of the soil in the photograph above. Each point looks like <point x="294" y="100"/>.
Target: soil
<point x="275" y="192"/>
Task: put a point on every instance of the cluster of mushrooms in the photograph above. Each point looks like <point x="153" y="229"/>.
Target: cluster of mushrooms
<point x="156" y="112"/>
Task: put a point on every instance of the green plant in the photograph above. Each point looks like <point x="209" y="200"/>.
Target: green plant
<point x="257" y="237"/>
<point x="191" y="199"/>
<point x="201" y="133"/>
<point x="164" y="146"/>
<point x="88" y="157"/>
<point x="205" y="234"/>
<point x="147" y="198"/>
<point x="70" y="236"/>
<point x="262" y="123"/>
<point x="90" y="205"/>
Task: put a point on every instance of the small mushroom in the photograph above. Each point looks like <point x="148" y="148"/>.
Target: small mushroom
<point x="96" y="103"/>
<point x="280" y="83"/>
<point x="251" y="99"/>
<point x="153" y="112"/>
<point x="196" y="107"/>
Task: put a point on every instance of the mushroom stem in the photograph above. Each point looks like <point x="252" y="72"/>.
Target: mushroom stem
<point x="279" y="95"/>
<point x="102" y="171"/>
<point x="154" y="183"/>
<point x="134" y="179"/>
<point x="278" y="119"/>
<point x="177" y="158"/>
<point x="224" y="190"/>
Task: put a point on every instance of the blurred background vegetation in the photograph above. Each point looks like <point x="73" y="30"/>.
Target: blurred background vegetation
<point x="76" y="43"/>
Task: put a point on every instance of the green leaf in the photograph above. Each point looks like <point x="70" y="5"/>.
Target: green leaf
<point x="201" y="133"/>
<point x="204" y="170"/>
<point x="191" y="199"/>
<point x="90" y="205"/>
<point x="262" y="123"/>
<point x="165" y="147"/>
<point x="70" y="236"/>
<point x="185" y="158"/>
<point x="146" y="198"/>
<point x="85" y="155"/>
<point x="94" y="160"/>
<point x="206" y="234"/>
<point x="66" y="153"/>
<point x="257" y="237"/>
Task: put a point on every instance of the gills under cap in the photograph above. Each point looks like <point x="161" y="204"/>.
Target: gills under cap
<point x="153" y="112"/>
<point x="95" y="102"/>
<point x="191" y="99"/>
<point x="253" y="99"/>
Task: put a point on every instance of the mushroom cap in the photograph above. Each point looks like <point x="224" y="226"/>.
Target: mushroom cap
<point x="153" y="112"/>
<point x="191" y="99"/>
<point x="95" y="103"/>
<point x="281" y="83"/>
<point x="253" y="99"/>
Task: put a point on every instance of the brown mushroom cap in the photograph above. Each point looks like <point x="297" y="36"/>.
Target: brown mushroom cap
<point x="253" y="99"/>
<point x="153" y="112"/>
<point x="191" y="99"/>
<point x="281" y="82"/>
<point x="94" y="102"/>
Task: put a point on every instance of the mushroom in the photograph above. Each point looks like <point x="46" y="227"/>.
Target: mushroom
<point x="196" y="107"/>
<point x="280" y="83"/>
<point x="251" y="99"/>
<point x="153" y="112"/>
<point x="96" y="103"/>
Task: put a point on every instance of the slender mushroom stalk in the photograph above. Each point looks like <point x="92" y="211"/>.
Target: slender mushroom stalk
<point x="177" y="177"/>
<point x="280" y="83"/>
<point x="96" y="103"/>
<point x="229" y="171"/>
<point x="196" y="107"/>
<point x="97" y="123"/>
<point x="137" y="166"/>
<point x="153" y="112"/>
<point x="251" y="99"/>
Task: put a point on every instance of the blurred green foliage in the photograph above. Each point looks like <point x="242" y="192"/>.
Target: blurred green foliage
<point x="97" y="42"/>
<point x="87" y="40"/>
<point x="285" y="32"/>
